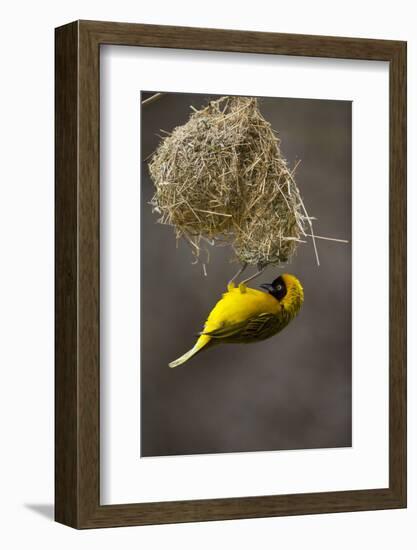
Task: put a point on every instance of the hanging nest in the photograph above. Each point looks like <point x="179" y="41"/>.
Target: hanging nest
<point x="221" y="178"/>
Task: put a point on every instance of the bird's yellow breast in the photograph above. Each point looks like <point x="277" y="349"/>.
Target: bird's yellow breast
<point x="236" y="306"/>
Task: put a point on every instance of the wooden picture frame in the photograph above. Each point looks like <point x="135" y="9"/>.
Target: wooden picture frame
<point x="77" y="405"/>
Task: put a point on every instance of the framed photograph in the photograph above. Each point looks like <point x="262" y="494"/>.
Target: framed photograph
<point x="230" y="274"/>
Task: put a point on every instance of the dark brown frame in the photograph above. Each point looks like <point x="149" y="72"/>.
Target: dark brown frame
<point x="77" y="372"/>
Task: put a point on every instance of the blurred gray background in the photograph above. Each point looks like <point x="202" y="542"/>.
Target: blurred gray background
<point x="292" y="391"/>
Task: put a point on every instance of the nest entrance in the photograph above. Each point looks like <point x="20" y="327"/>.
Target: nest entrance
<point x="221" y="177"/>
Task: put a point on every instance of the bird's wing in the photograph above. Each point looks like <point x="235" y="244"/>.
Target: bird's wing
<point x="258" y="326"/>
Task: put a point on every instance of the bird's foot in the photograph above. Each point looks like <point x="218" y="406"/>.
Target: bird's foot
<point x="243" y="288"/>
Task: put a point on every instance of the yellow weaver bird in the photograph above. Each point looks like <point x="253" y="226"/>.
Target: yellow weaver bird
<point x="244" y="315"/>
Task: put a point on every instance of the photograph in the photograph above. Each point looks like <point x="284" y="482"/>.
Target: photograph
<point x="207" y="239"/>
<point x="245" y="238"/>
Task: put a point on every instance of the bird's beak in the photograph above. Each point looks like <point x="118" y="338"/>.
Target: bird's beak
<point x="267" y="286"/>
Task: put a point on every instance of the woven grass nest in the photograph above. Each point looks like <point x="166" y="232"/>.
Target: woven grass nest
<point x="221" y="178"/>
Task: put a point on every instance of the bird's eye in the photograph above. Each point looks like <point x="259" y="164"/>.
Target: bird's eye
<point x="279" y="287"/>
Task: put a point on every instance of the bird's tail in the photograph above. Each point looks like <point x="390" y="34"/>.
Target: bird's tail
<point x="200" y="344"/>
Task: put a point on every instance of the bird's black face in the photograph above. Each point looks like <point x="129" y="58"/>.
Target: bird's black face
<point x="277" y="288"/>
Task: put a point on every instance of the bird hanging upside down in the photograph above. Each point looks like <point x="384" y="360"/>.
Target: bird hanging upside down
<point x="244" y="315"/>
